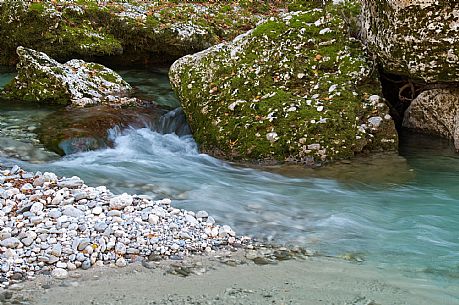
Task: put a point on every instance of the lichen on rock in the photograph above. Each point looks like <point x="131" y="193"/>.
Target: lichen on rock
<point x="418" y="39"/>
<point x="297" y="88"/>
<point x="42" y="79"/>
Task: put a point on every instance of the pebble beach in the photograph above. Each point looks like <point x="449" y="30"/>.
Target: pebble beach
<point x="53" y="225"/>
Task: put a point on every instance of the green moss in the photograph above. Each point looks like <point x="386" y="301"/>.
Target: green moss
<point x="87" y="41"/>
<point x="273" y="99"/>
<point x="110" y="77"/>
<point x="40" y="89"/>
<point x="304" y="5"/>
<point x="37" y="7"/>
<point x="271" y="29"/>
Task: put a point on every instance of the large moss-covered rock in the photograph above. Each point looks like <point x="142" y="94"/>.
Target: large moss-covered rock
<point x="44" y="26"/>
<point x="44" y="80"/>
<point x="143" y="31"/>
<point x="418" y="38"/>
<point x="297" y="88"/>
<point x="435" y="112"/>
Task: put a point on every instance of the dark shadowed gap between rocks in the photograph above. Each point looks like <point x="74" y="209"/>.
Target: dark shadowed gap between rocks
<point x="392" y="88"/>
<point x="400" y="91"/>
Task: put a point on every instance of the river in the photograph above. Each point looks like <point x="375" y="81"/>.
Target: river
<point x="392" y="211"/>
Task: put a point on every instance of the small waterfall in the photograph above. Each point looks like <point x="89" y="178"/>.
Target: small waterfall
<point x="173" y="122"/>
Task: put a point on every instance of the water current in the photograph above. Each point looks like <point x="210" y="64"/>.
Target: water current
<point x="393" y="211"/>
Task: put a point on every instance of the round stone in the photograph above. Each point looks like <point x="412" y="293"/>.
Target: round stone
<point x="121" y="262"/>
<point x="97" y="210"/>
<point x="59" y="273"/>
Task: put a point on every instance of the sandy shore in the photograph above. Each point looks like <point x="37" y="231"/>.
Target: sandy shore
<point x="314" y="280"/>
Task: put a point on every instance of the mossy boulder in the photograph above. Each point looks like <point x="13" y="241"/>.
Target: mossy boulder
<point x="43" y="26"/>
<point x="418" y="39"/>
<point x="141" y="31"/>
<point x="297" y="88"/>
<point x="42" y="79"/>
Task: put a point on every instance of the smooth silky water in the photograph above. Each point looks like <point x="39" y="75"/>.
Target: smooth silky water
<point x="391" y="211"/>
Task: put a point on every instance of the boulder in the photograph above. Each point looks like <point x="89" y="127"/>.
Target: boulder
<point x="74" y="130"/>
<point x="46" y="26"/>
<point x="44" y="80"/>
<point x="435" y="112"/>
<point x="418" y="39"/>
<point x="140" y="31"/>
<point x="297" y="88"/>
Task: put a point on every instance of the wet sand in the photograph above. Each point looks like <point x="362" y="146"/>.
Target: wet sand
<point x="314" y="280"/>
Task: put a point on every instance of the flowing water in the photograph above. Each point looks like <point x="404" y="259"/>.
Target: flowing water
<point x="391" y="211"/>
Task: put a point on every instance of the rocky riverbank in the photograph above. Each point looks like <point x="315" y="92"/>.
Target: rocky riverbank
<point x="53" y="225"/>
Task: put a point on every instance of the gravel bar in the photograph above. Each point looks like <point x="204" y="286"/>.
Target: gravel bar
<point x="53" y="225"/>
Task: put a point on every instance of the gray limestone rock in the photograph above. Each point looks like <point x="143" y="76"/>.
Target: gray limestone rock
<point x="435" y="112"/>
<point x="416" y="38"/>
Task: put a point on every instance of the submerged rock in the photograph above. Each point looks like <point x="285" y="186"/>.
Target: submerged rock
<point x="75" y="130"/>
<point x="417" y="38"/>
<point x="435" y="112"/>
<point x="44" y="80"/>
<point x="297" y="88"/>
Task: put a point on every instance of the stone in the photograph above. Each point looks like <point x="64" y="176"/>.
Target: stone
<point x="97" y="210"/>
<point x="120" y="202"/>
<point x="55" y="213"/>
<point x="70" y="183"/>
<point x="100" y="226"/>
<point x="202" y="214"/>
<point x="83" y="243"/>
<point x="39" y="181"/>
<point x="59" y="273"/>
<point x="27" y="241"/>
<point x="191" y="220"/>
<point x="11" y="242"/>
<point x="244" y="105"/>
<point x="114" y="213"/>
<point x="57" y="199"/>
<point x="26" y="187"/>
<point x="227" y="229"/>
<point x="86" y="265"/>
<point x="71" y="266"/>
<point x="415" y="38"/>
<point x="435" y="112"/>
<point x="79" y="195"/>
<point x="76" y="82"/>
<point x="50" y="177"/>
<point x="36" y="207"/>
<point x="56" y="250"/>
<point x="51" y="259"/>
<point x="153" y="219"/>
<point x="120" y="248"/>
<point x="15" y="169"/>
<point x="61" y="265"/>
<point x="121" y="262"/>
<point x="71" y="211"/>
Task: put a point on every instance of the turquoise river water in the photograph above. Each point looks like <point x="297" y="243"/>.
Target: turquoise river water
<point x="392" y="211"/>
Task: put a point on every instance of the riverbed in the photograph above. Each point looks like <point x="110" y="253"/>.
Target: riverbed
<point x="393" y="212"/>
